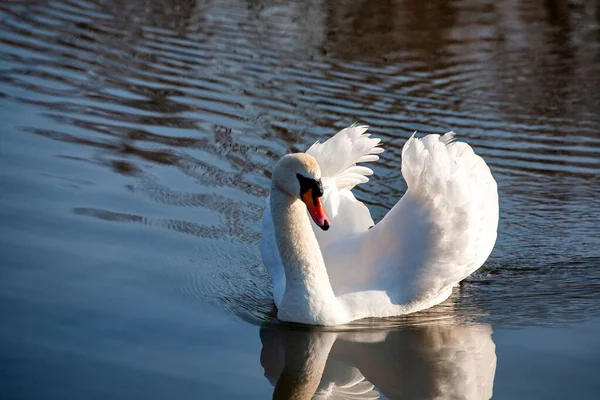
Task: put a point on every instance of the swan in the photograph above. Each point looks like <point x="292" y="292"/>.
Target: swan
<point x="330" y="264"/>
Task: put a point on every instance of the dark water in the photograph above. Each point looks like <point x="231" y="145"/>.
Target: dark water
<point x="136" y="144"/>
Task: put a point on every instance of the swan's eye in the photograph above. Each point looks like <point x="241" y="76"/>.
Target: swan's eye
<point x="307" y="184"/>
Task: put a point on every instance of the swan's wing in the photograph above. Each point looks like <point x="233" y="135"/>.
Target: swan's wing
<point x="442" y="229"/>
<point x="453" y="191"/>
<point x="338" y="159"/>
<point x="339" y="155"/>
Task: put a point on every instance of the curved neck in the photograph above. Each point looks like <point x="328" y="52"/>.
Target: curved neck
<point x="308" y="296"/>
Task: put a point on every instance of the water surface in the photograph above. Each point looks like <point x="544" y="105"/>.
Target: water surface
<point x="136" y="146"/>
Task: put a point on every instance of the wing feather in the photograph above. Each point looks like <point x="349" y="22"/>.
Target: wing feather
<point x="339" y="155"/>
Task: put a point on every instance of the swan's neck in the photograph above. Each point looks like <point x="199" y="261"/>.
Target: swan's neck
<point x="308" y="296"/>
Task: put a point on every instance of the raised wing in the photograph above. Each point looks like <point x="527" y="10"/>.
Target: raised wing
<point x="442" y="229"/>
<point x="339" y="155"/>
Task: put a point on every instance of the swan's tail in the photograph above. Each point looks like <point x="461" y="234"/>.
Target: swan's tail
<point x="455" y="188"/>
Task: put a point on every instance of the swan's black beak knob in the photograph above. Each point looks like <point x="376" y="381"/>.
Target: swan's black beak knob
<point x="311" y="191"/>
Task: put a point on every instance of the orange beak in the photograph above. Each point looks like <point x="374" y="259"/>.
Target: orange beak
<point x="316" y="210"/>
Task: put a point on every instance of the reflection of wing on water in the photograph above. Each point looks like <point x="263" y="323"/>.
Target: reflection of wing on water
<point x="434" y="361"/>
<point x="341" y="381"/>
<point x="441" y="360"/>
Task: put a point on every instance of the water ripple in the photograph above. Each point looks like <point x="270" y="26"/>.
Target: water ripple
<point x="175" y="112"/>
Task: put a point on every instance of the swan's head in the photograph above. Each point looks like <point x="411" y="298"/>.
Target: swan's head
<point x="299" y="176"/>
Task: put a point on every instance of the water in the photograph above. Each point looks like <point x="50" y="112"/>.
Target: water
<point x="136" y="144"/>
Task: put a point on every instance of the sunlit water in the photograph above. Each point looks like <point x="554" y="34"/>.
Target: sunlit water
<point x="136" y="144"/>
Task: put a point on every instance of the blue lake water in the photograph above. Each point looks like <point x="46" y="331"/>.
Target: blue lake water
<point x="136" y="145"/>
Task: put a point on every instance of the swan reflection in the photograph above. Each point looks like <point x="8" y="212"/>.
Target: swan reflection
<point x="438" y="360"/>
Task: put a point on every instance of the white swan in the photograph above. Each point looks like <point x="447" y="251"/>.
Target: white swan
<point x="442" y="229"/>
